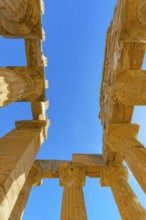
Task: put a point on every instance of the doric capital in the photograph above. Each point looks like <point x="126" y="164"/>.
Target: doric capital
<point x="135" y="19"/>
<point x="122" y="136"/>
<point x="21" y="18"/>
<point x="33" y="78"/>
<point x="129" y="88"/>
<point x="113" y="172"/>
<point x="73" y="175"/>
<point x="142" y="12"/>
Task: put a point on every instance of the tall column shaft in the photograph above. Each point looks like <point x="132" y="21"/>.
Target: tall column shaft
<point x="73" y="205"/>
<point x="18" y="150"/>
<point x="123" y="139"/>
<point x="33" y="178"/>
<point x="136" y="160"/>
<point x="129" y="207"/>
<point x="16" y="87"/>
<point x="129" y="88"/>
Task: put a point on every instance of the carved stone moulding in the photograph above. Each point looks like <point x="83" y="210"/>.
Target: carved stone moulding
<point x="34" y="124"/>
<point x="28" y="26"/>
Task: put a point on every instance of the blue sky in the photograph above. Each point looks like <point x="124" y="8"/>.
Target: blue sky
<point x="75" y="42"/>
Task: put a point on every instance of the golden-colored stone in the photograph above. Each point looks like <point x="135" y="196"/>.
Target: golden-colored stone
<point x="18" y="150"/>
<point x="115" y="176"/>
<point x="21" y="19"/>
<point x="129" y="88"/>
<point x="20" y="84"/>
<point x="33" y="179"/>
<point x="123" y="139"/>
<point x="73" y="178"/>
<point x="123" y="86"/>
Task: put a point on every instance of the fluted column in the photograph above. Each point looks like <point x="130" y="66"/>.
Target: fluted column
<point x="18" y="150"/>
<point x="129" y="88"/>
<point x="73" y="205"/>
<point x="16" y="86"/>
<point x="122" y="139"/>
<point x="33" y="179"/>
<point x="129" y="207"/>
<point x="135" y="19"/>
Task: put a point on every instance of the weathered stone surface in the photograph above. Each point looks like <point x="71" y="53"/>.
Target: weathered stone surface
<point x="33" y="179"/>
<point x="34" y="53"/>
<point x="18" y="150"/>
<point x="123" y="80"/>
<point x="123" y="140"/>
<point x="73" y="178"/>
<point x="21" y="19"/>
<point x="94" y="163"/>
<point x="115" y="177"/>
<point x="123" y="86"/>
<point x="20" y="84"/>
<point x="129" y="88"/>
<point x="39" y="110"/>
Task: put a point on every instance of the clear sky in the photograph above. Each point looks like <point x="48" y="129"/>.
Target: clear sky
<point x="75" y="42"/>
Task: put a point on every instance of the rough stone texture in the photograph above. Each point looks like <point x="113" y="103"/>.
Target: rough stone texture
<point x="33" y="179"/>
<point x="123" y="139"/>
<point x="73" y="206"/>
<point x="18" y="150"/>
<point x="127" y="202"/>
<point x="94" y="163"/>
<point x="129" y="88"/>
<point x="21" y="19"/>
<point x="123" y="86"/>
<point x="123" y="80"/>
<point x="20" y="84"/>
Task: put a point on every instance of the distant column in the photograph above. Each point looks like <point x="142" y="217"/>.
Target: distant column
<point x="16" y="87"/>
<point x="33" y="179"/>
<point x="18" y="150"/>
<point x="122" y="139"/>
<point x="73" y="205"/>
<point x="129" y="207"/>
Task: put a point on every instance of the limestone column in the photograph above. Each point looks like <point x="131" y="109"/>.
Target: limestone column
<point x="122" y="138"/>
<point x="16" y="86"/>
<point x="135" y="19"/>
<point x="34" y="178"/>
<point x="73" y="205"/>
<point x="129" y="207"/>
<point x="129" y="88"/>
<point x="18" y="150"/>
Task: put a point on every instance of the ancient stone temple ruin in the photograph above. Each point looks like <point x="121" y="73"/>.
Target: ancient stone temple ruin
<point x="123" y="87"/>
